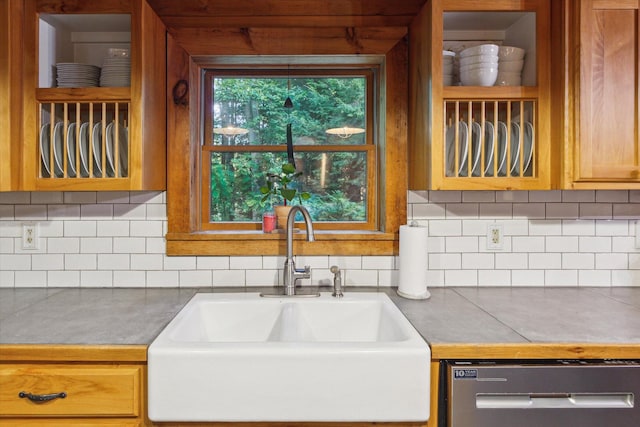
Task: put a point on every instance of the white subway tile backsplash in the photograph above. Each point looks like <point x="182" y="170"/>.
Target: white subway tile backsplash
<point x="80" y="197"/>
<point x="545" y="261"/>
<point x="245" y="263"/>
<point x="494" y="277"/>
<point x="80" y="228"/>
<point x="129" y="245"/>
<point x="30" y="212"/>
<point x="578" y="227"/>
<point x="545" y="196"/>
<point x="96" y="279"/>
<point x="594" y="244"/>
<point x="47" y="198"/>
<point x="527" y="277"/>
<point x="461" y="244"/>
<point x="147" y="261"/>
<point x="37" y="279"/>
<point x="47" y="262"/>
<point x="179" y="262"/>
<point x="612" y="261"/>
<point x="578" y="261"/>
<point x="55" y="212"/>
<point x="612" y="228"/>
<point x="113" y="228"/>
<point x="478" y="196"/>
<point x="496" y="210"/>
<point x="163" y="279"/>
<point x="512" y="196"/>
<point x="63" y="279"/>
<point x="461" y="278"/>
<point x="612" y="196"/>
<point x="561" y="210"/>
<point x="528" y="244"/>
<point x="445" y="261"/>
<point x="462" y="210"/>
<point x="551" y="238"/>
<point x="529" y="210"/>
<point x="63" y="245"/>
<point x="579" y="196"/>
<point x="202" y="278"/>
<point x="561" y="277"/>
<point x="114" y="262"/>
<point x="96" y="211"/>
<point x="145" y="228"/>
<point x="129" y="279"/>
<point x="594" y="277"/>
<point x="511" y="261"/>
<point x="561" y="243"/>
<point x="80" y="262"/>
<point x="596" y="210"/>
<point x="476" y="261"/>
<point x="112" y="197"/>
<point x="96" y="245"/>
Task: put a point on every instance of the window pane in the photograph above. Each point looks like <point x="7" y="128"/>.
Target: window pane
<point x="335" y="180"/>
<point x="256" y="105"/>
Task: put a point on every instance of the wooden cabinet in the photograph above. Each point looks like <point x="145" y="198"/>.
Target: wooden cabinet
<point x="93" y="130"/>
<point x="602" y="95"/>
<point x="72" y="385"/>
<point x="10" y="95"/>
<point x="478" y="137"/>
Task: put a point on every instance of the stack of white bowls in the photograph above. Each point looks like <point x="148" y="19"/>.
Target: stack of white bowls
<point x="511" y="61"/>
<point x="479" y="65"/>
<point x="447" y="67"/>
<point x="116" y="69"/>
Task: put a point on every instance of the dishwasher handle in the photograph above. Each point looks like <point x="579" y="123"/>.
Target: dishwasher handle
<point x="553" y="400"/>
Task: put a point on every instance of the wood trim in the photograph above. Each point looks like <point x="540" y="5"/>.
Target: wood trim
<point x="75" y="6"/>
<point x="72" y="352"/>
<point x="535" y="351"/>
<point x="288" y="41"/>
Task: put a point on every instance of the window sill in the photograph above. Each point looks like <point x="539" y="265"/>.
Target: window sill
<point x="234" y="243"/>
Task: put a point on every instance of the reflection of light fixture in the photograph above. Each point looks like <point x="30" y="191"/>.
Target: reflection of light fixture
<point x="344" y="132"/>
<point x="230" y="131"/>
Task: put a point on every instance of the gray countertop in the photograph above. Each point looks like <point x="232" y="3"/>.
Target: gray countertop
<point x="450" y="316"/>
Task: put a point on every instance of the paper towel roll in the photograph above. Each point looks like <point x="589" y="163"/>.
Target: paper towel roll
<point x="412" y="280"/>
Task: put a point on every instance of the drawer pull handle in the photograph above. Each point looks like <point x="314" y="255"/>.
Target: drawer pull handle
<point x="42" y="397"/>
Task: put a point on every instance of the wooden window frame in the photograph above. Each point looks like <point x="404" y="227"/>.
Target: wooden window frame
<point x="185" y="235"/>
<point x="369" y="148"/>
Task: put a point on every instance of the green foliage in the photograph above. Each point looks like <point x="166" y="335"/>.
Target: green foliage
<point x="280" y="185"/>
<point x="337" y="179"/>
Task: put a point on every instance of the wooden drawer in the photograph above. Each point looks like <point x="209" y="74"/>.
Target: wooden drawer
<point x="91" y="390"/>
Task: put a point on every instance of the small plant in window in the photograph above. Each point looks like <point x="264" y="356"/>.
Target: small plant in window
<point x="279" y="185"/>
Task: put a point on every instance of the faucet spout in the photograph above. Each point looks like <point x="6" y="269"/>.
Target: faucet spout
<point x="291" y="274"/>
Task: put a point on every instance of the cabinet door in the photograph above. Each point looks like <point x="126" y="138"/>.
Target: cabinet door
<point x="10" y="95"/>
<point x="607" y="145"/>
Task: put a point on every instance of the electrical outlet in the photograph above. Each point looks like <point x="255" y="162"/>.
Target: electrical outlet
<point x="495" y="236"/>
<point x="30" y="237"/>
<point x="637" y="234"/>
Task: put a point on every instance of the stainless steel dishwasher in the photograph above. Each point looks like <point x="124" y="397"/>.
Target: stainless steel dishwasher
<point x="540" y="393"/>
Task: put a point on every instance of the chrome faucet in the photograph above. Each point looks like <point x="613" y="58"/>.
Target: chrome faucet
<point x="291" y="273"/>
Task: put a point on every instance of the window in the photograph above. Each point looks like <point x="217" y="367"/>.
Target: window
<point x="194" y="147"/>
<point x="329" y="116"/>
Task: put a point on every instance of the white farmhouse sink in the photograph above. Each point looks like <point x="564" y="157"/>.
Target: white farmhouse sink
<point x="240" y="357"/>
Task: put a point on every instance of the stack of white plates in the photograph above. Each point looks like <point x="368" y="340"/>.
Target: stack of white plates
<point x="116" y="72"/>
<point x="479" y="65"/>
<point x="511" y="61"/>
<point x="447" y="67"/>
<point x="72" y="74"/>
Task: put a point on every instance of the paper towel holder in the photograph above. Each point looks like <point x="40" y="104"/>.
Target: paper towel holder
<point x="412" y="290"/>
